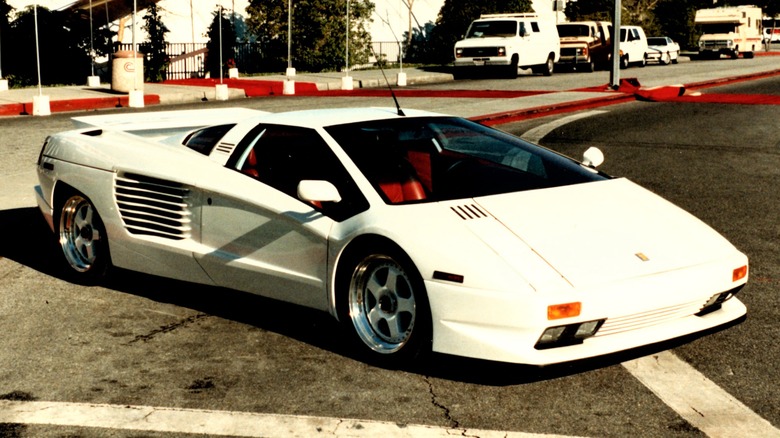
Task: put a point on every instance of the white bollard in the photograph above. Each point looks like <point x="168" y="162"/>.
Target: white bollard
<point x="222" y="92"/>
<point x="93" y="81"/>
<point x="290" y="72"/>
<point x="288" y="88"/>
<point x="41" y="106"/>
<point x="233" y="73"/>
<point x="136" y="99"/>
<point x="3" y="84"/>
<point x="346" y="83"/>
<point x="401" y="79"/>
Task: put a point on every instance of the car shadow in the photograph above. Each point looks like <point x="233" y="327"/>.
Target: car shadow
<point x="35" y="248"/>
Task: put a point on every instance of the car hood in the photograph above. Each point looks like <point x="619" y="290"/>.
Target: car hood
<point x="606" y="231"/>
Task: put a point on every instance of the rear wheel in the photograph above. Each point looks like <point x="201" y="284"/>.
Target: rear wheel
<point x="386" y="308"/>
<point x="666" y="58"/>
<point x="82" y="238"/>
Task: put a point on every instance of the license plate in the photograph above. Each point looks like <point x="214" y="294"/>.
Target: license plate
<point x="479" y="62"/>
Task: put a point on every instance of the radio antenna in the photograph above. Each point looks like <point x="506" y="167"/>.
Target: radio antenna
<point x="389" y="87"/>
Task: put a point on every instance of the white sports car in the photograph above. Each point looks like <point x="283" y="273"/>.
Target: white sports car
<point x="419" y="231"/>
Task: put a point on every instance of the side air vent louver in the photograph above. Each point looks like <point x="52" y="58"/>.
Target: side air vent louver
<point x="153" y="207"/>
<point x="226" y="148"/>
<point x="467" y="212"/>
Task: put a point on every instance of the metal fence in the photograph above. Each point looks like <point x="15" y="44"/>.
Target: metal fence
<point x="188" y="60"/>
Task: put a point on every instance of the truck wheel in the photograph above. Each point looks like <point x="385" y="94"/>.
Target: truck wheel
<point x="546" y="68"/>
<point x="666" y="58"/>
<point x="735" y="54"/>
<point x="511" y="71"/>
<point x="748" y="55"/>
<point x="589" y="67"/>
<point x="624" y="62"/>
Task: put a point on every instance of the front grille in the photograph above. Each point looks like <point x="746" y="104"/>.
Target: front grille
<point x="647" y="319"/>
<point x="568" y="51"/>
<point x="151" y="206"/>
<point x="478" y="52"/>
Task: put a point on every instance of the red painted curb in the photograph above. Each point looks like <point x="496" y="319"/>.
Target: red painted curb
<point x="87" y="104"/>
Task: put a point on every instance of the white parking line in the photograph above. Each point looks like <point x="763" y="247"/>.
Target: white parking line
<point x="215" y="423"/>
<point x="697" y="399"/>
<point x="535" y="135"/>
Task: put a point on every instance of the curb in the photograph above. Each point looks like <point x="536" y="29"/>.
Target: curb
<point x="547" y="110"/>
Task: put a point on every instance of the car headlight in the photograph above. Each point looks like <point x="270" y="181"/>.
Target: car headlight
<point x="458" y="52"/>
<point x="502" y="51"/>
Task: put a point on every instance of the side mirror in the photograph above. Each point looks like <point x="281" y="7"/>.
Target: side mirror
<point x="593" y="157"/>
<point x="318" y="191"/>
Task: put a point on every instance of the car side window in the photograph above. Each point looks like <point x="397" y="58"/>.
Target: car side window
<point x="535" y="26"/>
<point x="283" y="156"/>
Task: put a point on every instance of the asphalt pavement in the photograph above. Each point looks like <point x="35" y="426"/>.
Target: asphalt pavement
<point x="16" y="102"/>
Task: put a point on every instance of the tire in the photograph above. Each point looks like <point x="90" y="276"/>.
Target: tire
<point x="511" y="70"/>
<point x="589" y="66"/>
<point x="82" y="238"/>
<point x="386" y="308"/>
<point x="666" y="58"/>
<point x="548" y="67"/>
<point x="676" y="58"/>
<point x="624" y="62"/>
<point x="735" y="54"/>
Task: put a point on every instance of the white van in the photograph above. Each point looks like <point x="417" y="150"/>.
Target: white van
<point x="508" y="42"/>
<point x="633" y="46"/>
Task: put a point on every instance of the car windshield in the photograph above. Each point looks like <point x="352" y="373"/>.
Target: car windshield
<point x="656" y="41"/>
<point x="573" y="30"/>
<point x="484" y="29"/>
<point x="442" y="158"/>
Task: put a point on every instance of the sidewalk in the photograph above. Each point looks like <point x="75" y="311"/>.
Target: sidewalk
<point x="19" y="102"/>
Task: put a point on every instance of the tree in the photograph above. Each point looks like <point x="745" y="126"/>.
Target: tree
<point x="5" y="27"/>
<point x="319" y="32"/>
<point x="456" y="15"/>
<point x="228" y="44"/>
<point x="156" y="62"/>
<point x="418" y="47"/>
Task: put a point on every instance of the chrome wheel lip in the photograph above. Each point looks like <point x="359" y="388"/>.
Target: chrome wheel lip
<point x="382" y="305"/>
<point x="80" y="234"/>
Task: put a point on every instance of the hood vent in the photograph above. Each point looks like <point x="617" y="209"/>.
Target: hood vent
<point x="468" y="212"/>
<point x="154" y="207"/>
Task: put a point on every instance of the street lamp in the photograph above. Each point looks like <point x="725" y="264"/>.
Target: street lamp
<point x="346" y="81"/>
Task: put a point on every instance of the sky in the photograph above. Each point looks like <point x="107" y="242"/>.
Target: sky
<point x="390" y="19"/>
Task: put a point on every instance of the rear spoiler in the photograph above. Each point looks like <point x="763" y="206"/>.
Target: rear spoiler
<point x="165" y="123"/>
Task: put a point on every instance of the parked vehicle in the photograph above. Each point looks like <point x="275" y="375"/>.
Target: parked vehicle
<point x="508" y="42"/>
<point x="772" y="35"/>
<point x="662" y="50"/>
<point x="417" y="231"/>
<point x="633" y="46"/>
<point x="729" y="31"/>
<point x="585" y="45"/>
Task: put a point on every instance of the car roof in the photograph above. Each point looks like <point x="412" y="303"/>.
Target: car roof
<point x="318" y="118"/>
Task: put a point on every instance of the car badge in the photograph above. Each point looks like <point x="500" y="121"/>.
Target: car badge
<point x="642" y="257"/>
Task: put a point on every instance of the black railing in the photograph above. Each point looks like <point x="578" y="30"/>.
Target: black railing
<point x="188" y="60"/>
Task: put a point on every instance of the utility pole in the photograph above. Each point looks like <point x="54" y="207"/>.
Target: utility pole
<point x="614" y="73"/>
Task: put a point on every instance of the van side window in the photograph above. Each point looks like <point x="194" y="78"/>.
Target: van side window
<point x="535" y="26"/>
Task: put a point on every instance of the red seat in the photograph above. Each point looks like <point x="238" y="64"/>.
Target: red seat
<point x="403" y="191"/>
<point x="250" y="165"/>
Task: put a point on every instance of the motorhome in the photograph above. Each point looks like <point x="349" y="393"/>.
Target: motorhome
<point x="729" y="31"/>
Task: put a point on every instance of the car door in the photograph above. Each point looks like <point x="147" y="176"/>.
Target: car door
<point x="264" y="239"/>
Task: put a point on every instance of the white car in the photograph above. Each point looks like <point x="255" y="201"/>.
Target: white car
<point x="662" y="50"/>
<point x="633" y="46"/>
<point x="418" y="231"/>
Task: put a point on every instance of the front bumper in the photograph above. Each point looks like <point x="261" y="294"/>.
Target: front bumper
<point x="481" y="62"/>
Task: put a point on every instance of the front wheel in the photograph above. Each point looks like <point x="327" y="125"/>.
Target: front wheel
<point x="387" y="308"/>
<point x="82" y="238"/>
